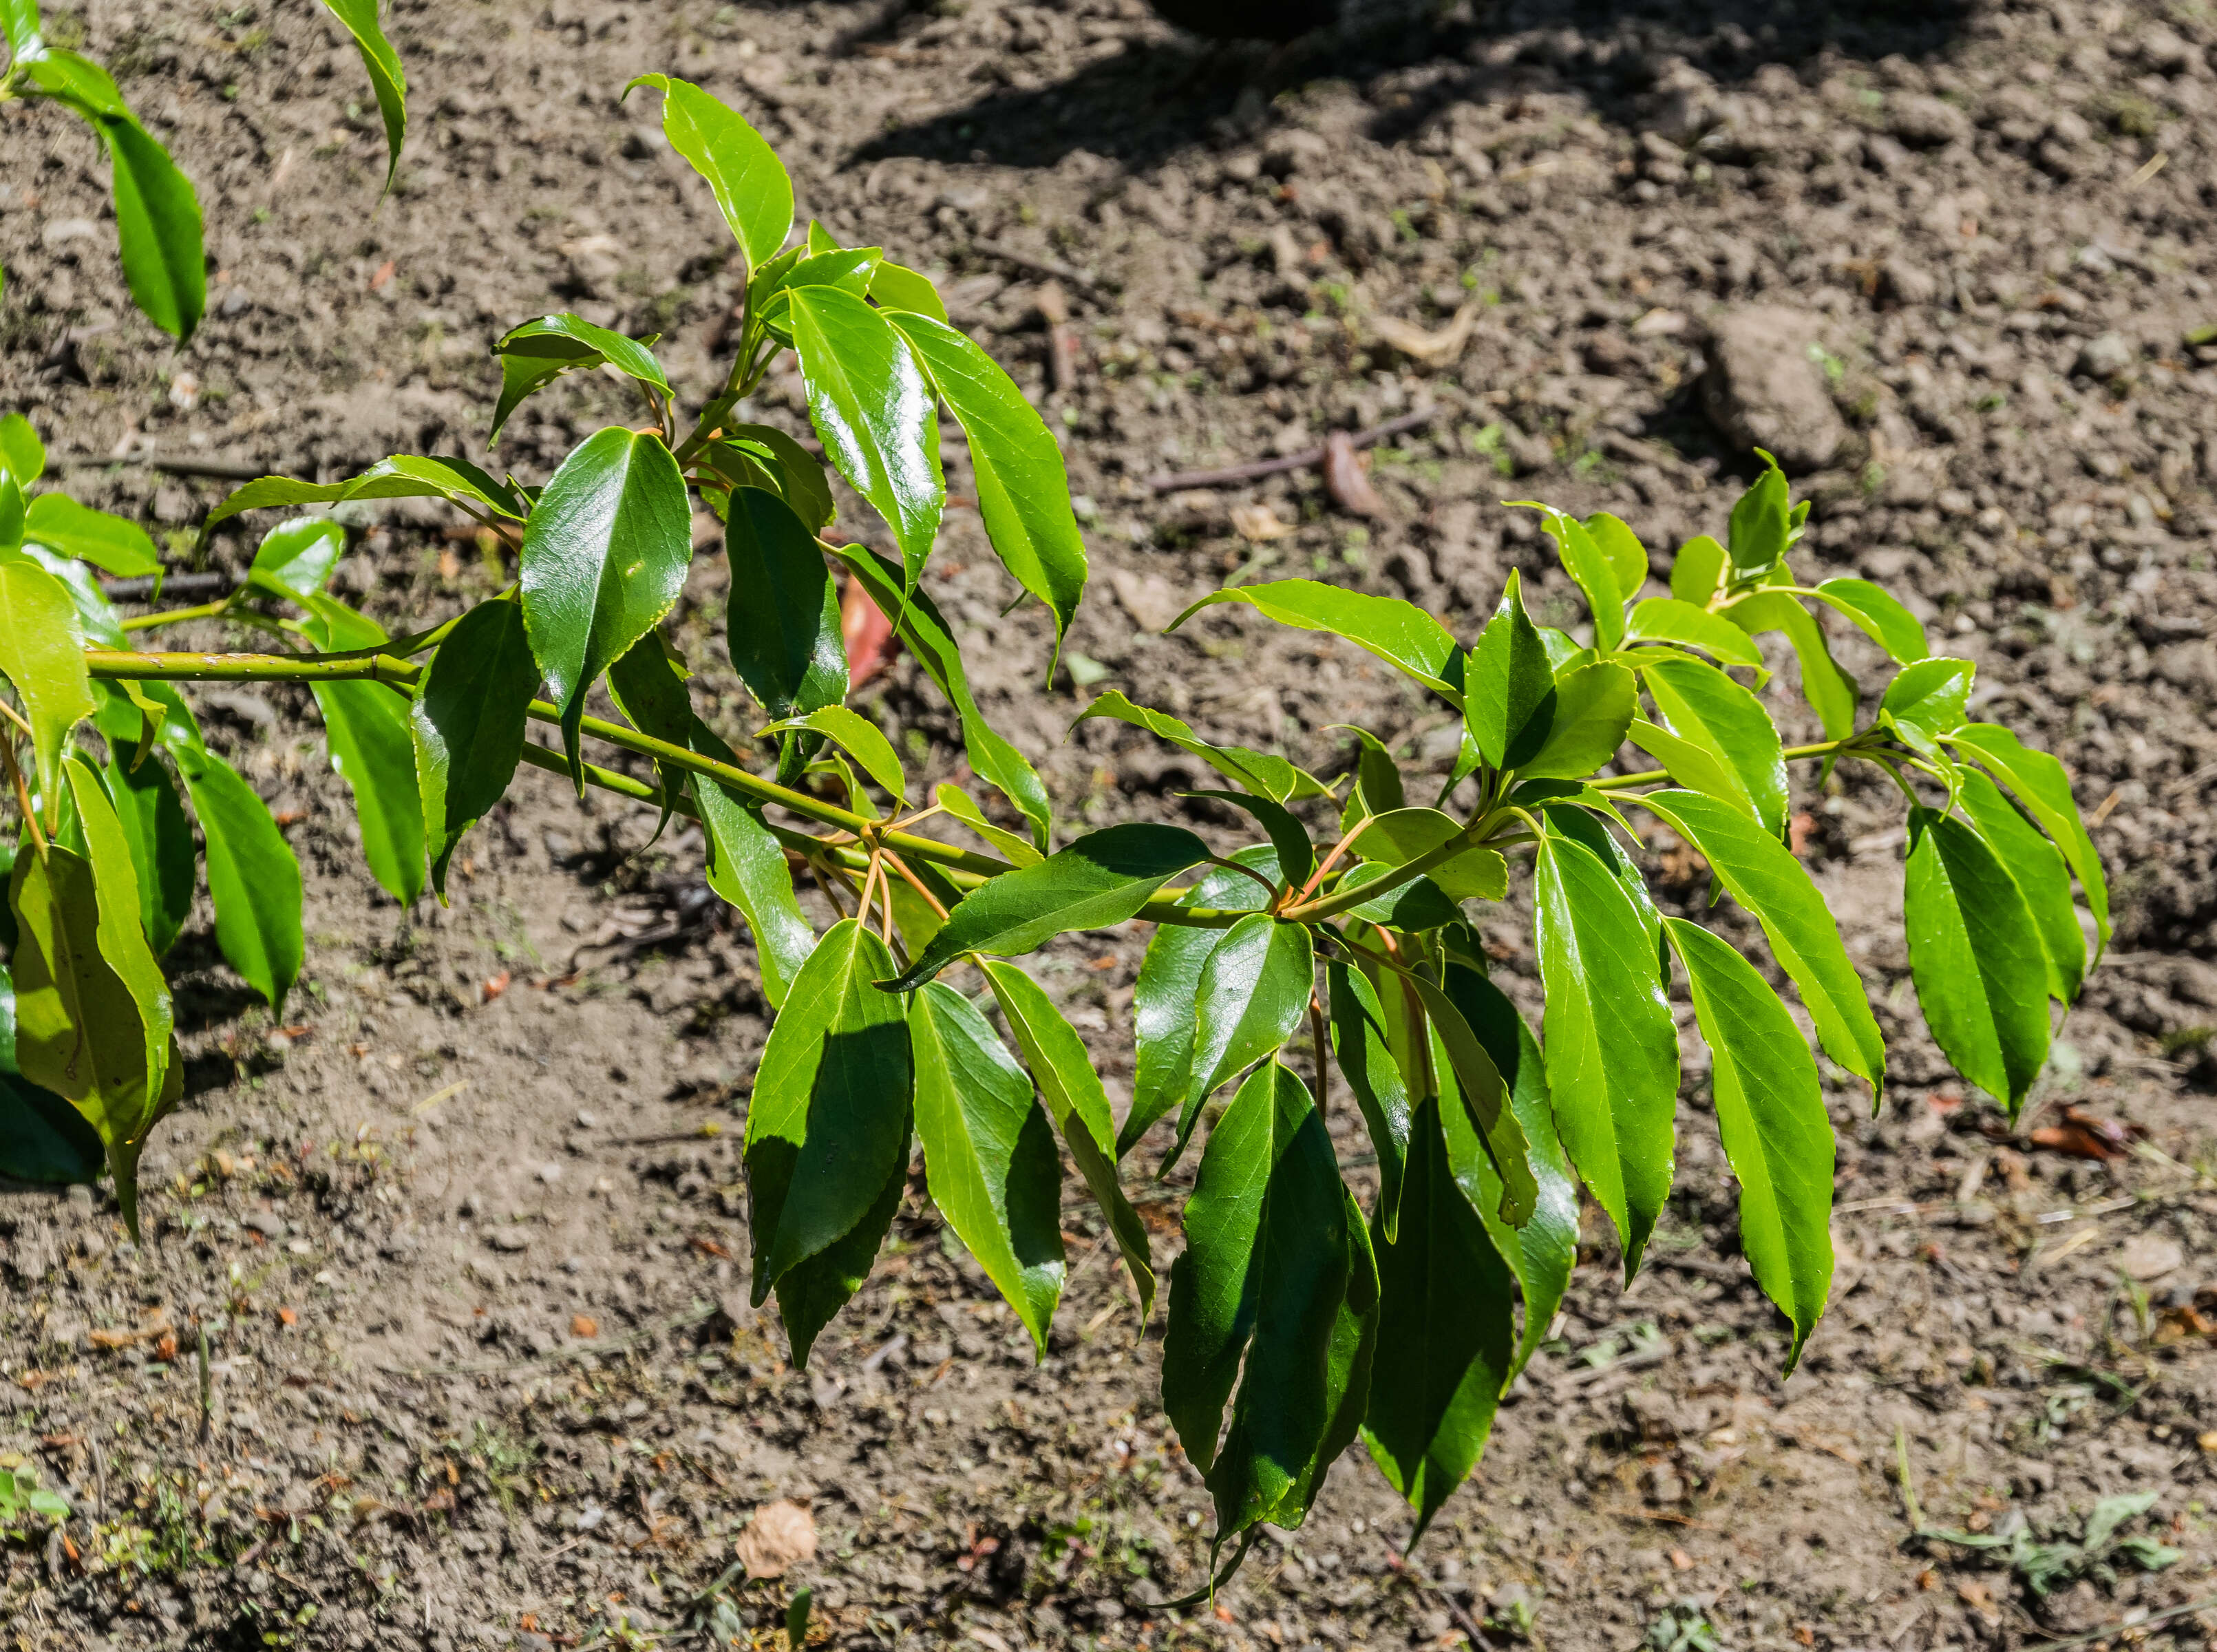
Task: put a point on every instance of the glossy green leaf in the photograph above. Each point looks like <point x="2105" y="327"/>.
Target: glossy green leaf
<point x="1612" y="1050"/>
<point x="2040" y="782"/>
<point x="1402" y="634"/>
<point x="783" y="623"/>
<point x="42" y="658"/>
<point x="1698" y="571"/>
<point x="1976" y="957"/>
<point x="374" y="750"/>
<point x="1262" y="772"/>
<point x="387" y="79"/>
<point x="1762" y="876"/>
<point x="1718" y="717"/>
<point x="538" y="351"/>
<point x="856" y="735"/>
<point x="1377" y="788"/>
<point x="872" y="405"/>
<point x="44" y="1140"/>
<point x="961" y="806"/>
<point x="2040" y="872"/>
<point x="1541" y="1252"/>
<point x="898" y="287"/>
<point x="1399" y="836"/>
<point x="1511" y="693"/>
<point x="1771" y="1119"/>
<point x="1024" y="490"/>
<point x="1621" y="547"/>
<point x="749" y="181"/>
<point x="1484" y="1090"/>
<point x="11" y="513"/>
<point x="814" y="1289"/>
<point x="1253" y="991"/>
<point x="1414" y="905"/>
<point x="1594" y="708"/>
<point x="158" y="216"/>
<point x="467" y="724"/>
<point x="1925" y="702"/>
<point x="1591" y="569"/>
<point x="1446" y="1319"/>
<point x="748" y="867"/>
<point x="604" y="557"/>
<point x="1830" y="691"/>
<point x="1099" y="881"/>
<point x="989" y="1154"/>
<point x="253" y="878"/>
<point x="1071" y="1089"/>
<point x="924" y="631"/>
<point x="23" y="455"/>
<point x="1881" y="616"/>
<point x="163" y="855"/>
<point x="829" y="1115"/>
<point x="403" y="476"/>
<point x="799" y="472"/>
<point x="1295" y="854"/>
<point x="1362" y="1051"/>
<point x="120" y="933"/>
<point x="647" y="682"/>
<point x="1760" y="529"/>
<point x="1666" y="619"/>
<point x="110" y="543"/>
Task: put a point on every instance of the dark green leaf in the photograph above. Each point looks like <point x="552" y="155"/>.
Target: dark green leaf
<point x="253" y="878"/>
<point x="536" y="353"/>
<point x="647" y="682"/>
<point x="1377" y="788"/>
<point x="1023" y="490"/>
<point x="1445" y="1318"/>
<point x="1594" y="708"/>
<point x="1612" y="1050"/>
<point x="1975" y="955"/>
<point x="817" y="1287"/>
<point x="1510" y="694"/>
<point x="800" y="474"/>
<point x="386" y="77"/>
<point x="2040" y="874"/>
<point x="829" y="1120"/>
<point x="111" y="543"/>
<point x="161" y="840"/>
<point x="1666" y="619"/>
<point x="1101" y="880"/>
<point x="1063" y="1069"/>
<point x="1414" y="905"/>
<point x="604" y="556"/>
<point x="43" y="1139"/>
<point x="467" y="724"/>
<point x="42" y="658"/>
<point x="1762" y="876"/>
<point x="1925" y="702"/>
<point x="1261" y="772"/>
<point x="157" y="218"/>
<point x="750" y="184"/>
<point x="1760" y="529"/>
<point x="374" y="750"/>
<point x="1483" y="1089"/>
<point x="1361" y="1048"/>
<point x="1296" y="855"/>
<point x="1254" y="989"/>
<point x="1400" y="634"/>
<point x="2040" y="784"/>
<point x="989" y="1154"/>
<point x="1770" y="1116"/>
<point x="1721" y="720"/>
<point x="871" y="404"/>
<point x="1880" y="618"/>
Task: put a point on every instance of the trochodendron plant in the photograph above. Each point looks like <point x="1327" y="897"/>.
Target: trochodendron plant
<point x="1340" y="938"/>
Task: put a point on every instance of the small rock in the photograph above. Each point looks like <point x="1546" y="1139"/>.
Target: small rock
<point x="173" y="505"/>
<point x="1926" y="122"/>
<point x="1907" y="283"/>
<point x="2106" y="355"/>
<point x="1763" y="391"/>
<point x="595" y="263"/>
<point x="509" y="1239"/>
<point x="2150" y="1256"/>
<point x="63" y="230"/>
<point x="1294" y="151"/>
<point x="235" y="303"/>
<point x="1151" y="600"/>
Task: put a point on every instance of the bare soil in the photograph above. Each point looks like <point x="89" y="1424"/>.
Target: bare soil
<point x="465" y="1232"/>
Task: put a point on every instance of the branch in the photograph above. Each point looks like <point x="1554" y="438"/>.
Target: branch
<point x="1307" y="459"/>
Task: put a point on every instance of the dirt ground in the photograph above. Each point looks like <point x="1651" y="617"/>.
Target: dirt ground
<point x="465" y="1233"/>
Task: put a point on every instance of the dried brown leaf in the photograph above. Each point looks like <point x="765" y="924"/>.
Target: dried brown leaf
<point x="782" y="1534"/>
<point x="1344" y="478"/>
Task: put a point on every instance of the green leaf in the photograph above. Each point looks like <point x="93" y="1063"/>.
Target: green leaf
<point x="1666" y="619"/>
<point x="1718" y="718"/>
<point x="537" y="352"/>
<point x="19" y="26"/>
<point x="1296" y="855"/>
<point x="872" y="405"/>
<point x="374" y="750"/>
<point x="1362" y="1051"/>
<point x="989" y="1154"/>
<point x="23" y="455"/>
<point x="11" y="513"/>
<point x="1592" y="570"/>
<point x="1414" y="905"/>
<point x="1881" y="618"/>
<point x="748" y="867"/>
<point x="748" y="181"/>
<point x="1063" y="1069"/>
<point x="1510" y="702"/>
<point x="896" y="287"/>
<point x="386" y="77"/>
<point x="1975" y="955"/>
<point x="62" y="525"/>
<point x="42" y="656"/>
<point x="1254" y="989"/>
<point x="1760" y="529"/>
<point x="1262" y="772"/>
<point x="1594" y="707"/>
<point x="158" y="226"/>
<point x="647" y="682"/>
<point x="1771" y="1117"/>
<point x="604" y="556"/>
<point x="1541" y="1252"/>
<point x="1445" y="1317"/>
<point x="1762" y="876"/>
<point x="2039" y="781"/>
<point x="1830" y="691"/>
<point x="1023" y="490"/>
<point x="1099" y="881"/>
<point x="43" y="1139"/>
<point x="1621" y="546"/>
<point x="849" y="269"/>
<point x="859" y="738"/>
<point x="253" y="878"/>
<point x="1377" y="788"/>
<point x="1698" y="571"/>
<point x="830" y="1117"/>
<point x="163" y="856"/>
<point x="924" y="631"/>
<point x="813" y="1289"/>
<point x="803" y="487"/>
<point x="1612" y="1048"/>
<point x="1925" y="702"/>
<point x="1399" y="836"/>
<point x="467" y="724"/>
<point x="961" y="806"/>
<point x="1402" y="634"/>
<point x="1484" y="1091"/>
<point x="403" y="476"/>
<point x="2040" y="872"/>
<point x="783" y="624"/>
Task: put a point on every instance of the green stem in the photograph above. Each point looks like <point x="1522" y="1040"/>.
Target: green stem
<point x="1652" y="777"/>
